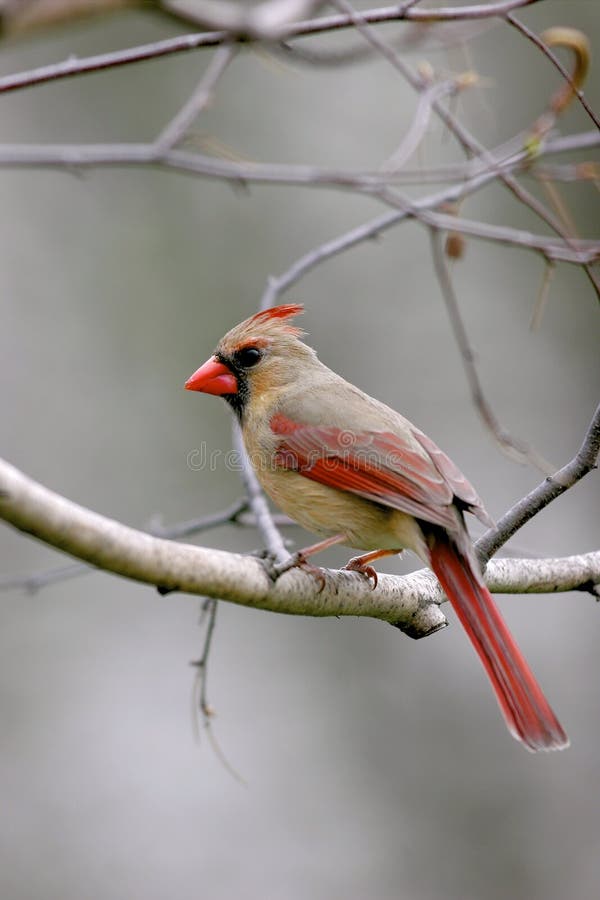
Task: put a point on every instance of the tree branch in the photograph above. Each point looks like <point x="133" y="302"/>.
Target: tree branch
<point x="514" y="447"/>
<point x="171" y="566"/>
<point x="546" y="576"/>
<point x="264" y="519"/>
<point x="552" y="487"/>
<point x="410" y="602"/>
<point x="541" y="44"/>
<point x="183" y="43"/>
<point x="235" y="514"/>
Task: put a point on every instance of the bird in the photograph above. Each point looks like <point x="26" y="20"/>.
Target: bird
<point x="353" y="471"/>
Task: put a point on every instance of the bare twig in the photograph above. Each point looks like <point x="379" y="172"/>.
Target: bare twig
<point x="372" y="229"/>
<point x="513" y="157"/>
<point x="201" y="665"/>
<point x="269" y="532"/>
<point x="71" y="157"/>
<point x="182" y="43"/>
<point x="353" y="53"/>
<point x="230" y="515"/>
<point x="371" y="35"/>
<point x="552" y="487"/>
<point x="276" y="286"/>
<point x="542" y="45"/>
<point x="200" y="694"/>
<point x="580" y="253"/>
<point x="409" y="13"/>
<point x="116" y="58"/>
<point x="469" y="143"/>
<point x="34" y="583"/>
<point x="512" y="446"/>
<point x="177" y="128"/>
<point x="419" y="124"/>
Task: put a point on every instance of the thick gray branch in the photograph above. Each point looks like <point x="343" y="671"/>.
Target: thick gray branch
<point x="173" y="566"/>
<point x="545" y="576"/>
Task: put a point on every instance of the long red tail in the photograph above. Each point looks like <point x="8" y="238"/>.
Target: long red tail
<point x="527" y="713"/>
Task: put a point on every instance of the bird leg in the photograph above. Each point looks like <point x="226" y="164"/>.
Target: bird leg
<point x="361" y="563"/>
<point x="299" y="559"/>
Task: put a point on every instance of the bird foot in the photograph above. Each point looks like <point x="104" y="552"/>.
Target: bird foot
<point x="295" y="561"/>
<point x="356" y="564"/>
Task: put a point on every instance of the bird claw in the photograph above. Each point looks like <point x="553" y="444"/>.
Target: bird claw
<point x="357" y="565"/>
<point x="295" y="561"/>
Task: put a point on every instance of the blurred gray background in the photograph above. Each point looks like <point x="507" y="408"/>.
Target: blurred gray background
<point x="375" y="767"/>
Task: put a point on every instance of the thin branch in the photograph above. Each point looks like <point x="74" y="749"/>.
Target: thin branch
<point x="70" y="157"/>
<point x="354" y="53"/>
<point x="200" y="693"/>
<point x="580" y="253"/>
<point x="375" y="227"/>
<point x="418" y="127"/>
<point x="469" y="143"/>
<point x="513" y="447"/>
<point x="116" y="58"/>
<point x="201" y="665"/>
<point x="552" y="487"/>
<point x="541" y="44"/>
<point x="269" y="532"/>
<point x="182" y="43"/>
<point x="230" y="515"/>
<point x="361" y="22"/>
<point x="344" y="242"/>
<point x="34" y="583"/>
<point x="406" y="12"/>
<point x="511" y="156"/>
<point x="177" y="128"/>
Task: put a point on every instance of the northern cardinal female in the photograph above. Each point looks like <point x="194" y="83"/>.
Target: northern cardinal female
<point x="349" y="468"/>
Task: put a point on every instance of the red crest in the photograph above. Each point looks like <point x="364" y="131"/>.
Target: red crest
<point x="285" y="311"/>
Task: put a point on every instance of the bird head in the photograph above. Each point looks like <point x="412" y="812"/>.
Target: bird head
<point x="261" y="354"/>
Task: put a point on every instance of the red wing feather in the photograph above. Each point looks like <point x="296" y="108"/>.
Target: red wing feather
<point x="378" y="466"/>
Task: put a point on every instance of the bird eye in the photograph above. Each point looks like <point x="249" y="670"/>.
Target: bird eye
<point x="248" y="356"/>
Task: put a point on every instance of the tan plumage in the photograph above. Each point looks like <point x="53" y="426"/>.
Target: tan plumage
<point x="354" y="471"/>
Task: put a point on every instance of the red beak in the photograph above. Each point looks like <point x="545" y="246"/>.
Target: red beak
<point x="213" y="378"/>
